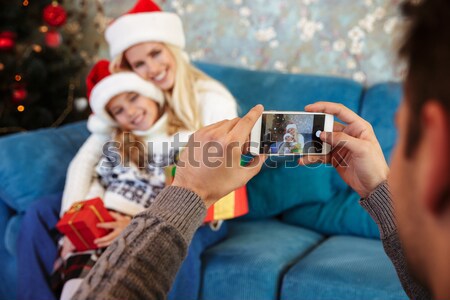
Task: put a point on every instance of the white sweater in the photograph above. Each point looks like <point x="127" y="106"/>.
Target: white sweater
<point x="216" y="104"/>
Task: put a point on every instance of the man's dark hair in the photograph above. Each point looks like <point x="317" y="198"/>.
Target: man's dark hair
<point x="426" y="51"/>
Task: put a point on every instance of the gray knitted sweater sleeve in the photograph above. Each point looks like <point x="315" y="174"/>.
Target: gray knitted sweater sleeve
<point x="379" y="206"/>
<point x="143" y="261"/>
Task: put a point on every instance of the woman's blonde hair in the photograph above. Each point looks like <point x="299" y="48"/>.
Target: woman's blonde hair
<point x="184" y="107"/>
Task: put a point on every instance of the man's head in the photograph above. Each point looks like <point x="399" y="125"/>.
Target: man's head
<point x="420" y="170"/>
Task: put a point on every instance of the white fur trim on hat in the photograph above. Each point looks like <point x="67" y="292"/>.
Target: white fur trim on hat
<point x="99" y="126"/>
<point x="115" y="84"/>
<point x="132" y="29"/>
<point x="291" y="126"/>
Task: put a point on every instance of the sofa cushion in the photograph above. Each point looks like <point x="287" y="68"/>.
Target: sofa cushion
<point x="343" y="267"/>
<point x="250" y="263"/>
<point x="278" y="188"/>
<point x="341" y="216"/>
<point x="34" y="164"/>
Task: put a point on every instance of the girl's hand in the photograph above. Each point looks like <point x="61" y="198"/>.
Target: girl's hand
<point x="67" y="247"/>
<point x="117" y="227"/>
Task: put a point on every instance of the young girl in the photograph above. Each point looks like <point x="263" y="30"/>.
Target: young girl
<point x="127" y="183"/>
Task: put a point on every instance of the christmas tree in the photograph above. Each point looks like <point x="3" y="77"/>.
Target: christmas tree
<point x="40" y="65"/>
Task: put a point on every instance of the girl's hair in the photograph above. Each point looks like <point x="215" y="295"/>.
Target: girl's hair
<point x="184" y="110"/>
<point x="132" y="148"/>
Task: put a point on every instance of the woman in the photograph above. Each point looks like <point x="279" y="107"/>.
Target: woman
<point x="151" y="42"/>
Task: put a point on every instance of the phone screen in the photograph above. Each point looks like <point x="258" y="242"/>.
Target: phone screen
<point x="290" y="134"/>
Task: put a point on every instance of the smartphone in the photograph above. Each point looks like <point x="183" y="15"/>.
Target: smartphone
<point x="290" y="133"/>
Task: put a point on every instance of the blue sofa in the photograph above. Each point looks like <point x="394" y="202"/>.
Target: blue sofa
<point x="306" y="237"/>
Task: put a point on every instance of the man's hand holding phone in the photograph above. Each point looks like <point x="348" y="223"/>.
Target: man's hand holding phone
<point x="356" y="153"/>
<point x="228" y="140"/>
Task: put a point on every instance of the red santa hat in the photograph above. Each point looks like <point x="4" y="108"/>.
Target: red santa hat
<point x="102" y="86"/>
<point x="145" y="22"/>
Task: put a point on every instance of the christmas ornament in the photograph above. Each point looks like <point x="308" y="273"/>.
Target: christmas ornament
<point x="54" y="14"/>
<point x="81" y="104"/>
<point x="53" y="39"/>
<point x="19" y="94"/>
<point x="7" y="40"/>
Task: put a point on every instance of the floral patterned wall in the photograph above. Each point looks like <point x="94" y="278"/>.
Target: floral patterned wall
<point x="349" y="38"/>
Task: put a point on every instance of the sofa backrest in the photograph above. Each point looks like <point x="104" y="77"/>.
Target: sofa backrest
<point x="34" y="164"/>
<point x="379" y="106"/>
<point x="276" y="189"/>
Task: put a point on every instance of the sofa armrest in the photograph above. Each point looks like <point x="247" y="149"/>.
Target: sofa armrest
<point x="34" y="164"/>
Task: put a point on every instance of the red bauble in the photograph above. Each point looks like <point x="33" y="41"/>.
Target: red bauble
<point x="53" y="39"/>
<point x="19" y="94"/>
<point x="54" y="14"/>
<point x="7" y="40"/>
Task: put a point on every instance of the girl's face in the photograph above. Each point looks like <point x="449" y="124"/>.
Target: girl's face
<point x="133" y="111"/>
<point x="153" y="62"/>
<point x="291" y="131"/>
<point x="289" y="139"/>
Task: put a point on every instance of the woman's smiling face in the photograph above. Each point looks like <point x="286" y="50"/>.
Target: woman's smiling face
<point x="133" y="111"/>
<point x="154" y="62"/>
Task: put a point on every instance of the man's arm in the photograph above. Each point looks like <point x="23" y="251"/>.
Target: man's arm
<point x="379" y="205"/>
<point x="143" y="261"/>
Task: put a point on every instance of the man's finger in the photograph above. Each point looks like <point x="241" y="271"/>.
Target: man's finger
<point x="341" y="139"/>
<point x="226" y="127"/>
<point x="255" y="166"/>
<point x="338" y="126"/>
<point x="243" y="128"/>
<point x="338" y="110"/>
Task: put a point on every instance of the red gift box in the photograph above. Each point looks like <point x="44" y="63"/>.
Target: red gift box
<point x="79" y="223"/>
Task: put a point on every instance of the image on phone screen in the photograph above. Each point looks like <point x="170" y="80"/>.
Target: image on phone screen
<point x="290" y="134"/>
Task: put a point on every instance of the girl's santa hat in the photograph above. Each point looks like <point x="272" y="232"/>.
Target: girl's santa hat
<point x="102" y="86"/>
<point x="145" y="22"/>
